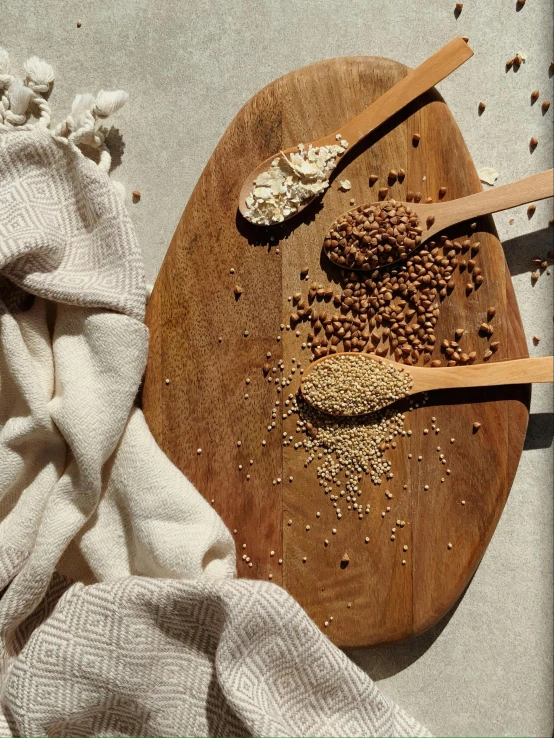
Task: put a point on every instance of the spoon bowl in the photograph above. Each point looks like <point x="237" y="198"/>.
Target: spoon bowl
<point x="411" y="380"/>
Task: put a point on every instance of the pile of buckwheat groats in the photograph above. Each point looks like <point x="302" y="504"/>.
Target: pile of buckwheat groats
<point x="373" y="235"/>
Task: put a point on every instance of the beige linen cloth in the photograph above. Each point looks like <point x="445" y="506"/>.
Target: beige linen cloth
<point x="120" y="612"/>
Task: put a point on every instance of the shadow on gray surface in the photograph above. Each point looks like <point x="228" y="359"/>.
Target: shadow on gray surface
<point x="520" y="250"/>
<point x="540" y="431"/>
<point x="382" y="662"/>
<point x="116" y="145"/>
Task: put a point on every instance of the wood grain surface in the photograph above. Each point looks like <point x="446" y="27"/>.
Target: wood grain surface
<point x="198" y="343"/>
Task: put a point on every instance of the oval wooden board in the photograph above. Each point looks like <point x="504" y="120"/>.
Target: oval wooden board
<point x="193" y="306"/>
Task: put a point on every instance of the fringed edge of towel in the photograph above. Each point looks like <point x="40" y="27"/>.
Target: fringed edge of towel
<point x="24" y="102"/>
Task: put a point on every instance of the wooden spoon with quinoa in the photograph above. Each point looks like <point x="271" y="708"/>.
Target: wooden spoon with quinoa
<point x="349" y="384"/>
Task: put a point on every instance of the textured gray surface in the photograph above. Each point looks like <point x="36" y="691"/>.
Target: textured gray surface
<point x="487" y="668"/>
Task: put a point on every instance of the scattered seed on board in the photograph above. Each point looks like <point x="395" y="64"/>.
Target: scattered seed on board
<point x="449" y="546"/>
<point x="198" y="451"/>
<point x="476" y="426"/>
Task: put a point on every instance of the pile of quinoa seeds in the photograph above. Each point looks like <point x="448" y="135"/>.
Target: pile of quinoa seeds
<point x="354" y="384"/>
<point x="347" y="449"/>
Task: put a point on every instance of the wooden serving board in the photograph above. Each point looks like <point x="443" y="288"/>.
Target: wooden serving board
<point x="198" y="342"/>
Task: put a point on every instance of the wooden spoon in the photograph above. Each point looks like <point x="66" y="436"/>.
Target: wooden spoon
<point x="415" y="83"/>
<point x="424" y="379"/>
<point x="436" y="217"/>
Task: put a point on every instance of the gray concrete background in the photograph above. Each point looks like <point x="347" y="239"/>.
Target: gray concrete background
<point x="189" y="66"/>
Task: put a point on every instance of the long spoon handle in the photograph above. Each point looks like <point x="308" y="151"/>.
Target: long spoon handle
<point x="414" y="84"/>
<point x="537" y="187"/>
<point x="515" y="371"/>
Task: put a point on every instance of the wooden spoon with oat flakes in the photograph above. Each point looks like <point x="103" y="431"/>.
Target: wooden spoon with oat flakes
<point x="285" y="183"/>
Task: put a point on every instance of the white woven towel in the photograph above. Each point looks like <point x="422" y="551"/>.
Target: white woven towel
<point x="121" y="614"/>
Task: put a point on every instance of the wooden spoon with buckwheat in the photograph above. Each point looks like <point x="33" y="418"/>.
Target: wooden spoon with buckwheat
<point x="385" y="233"/>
